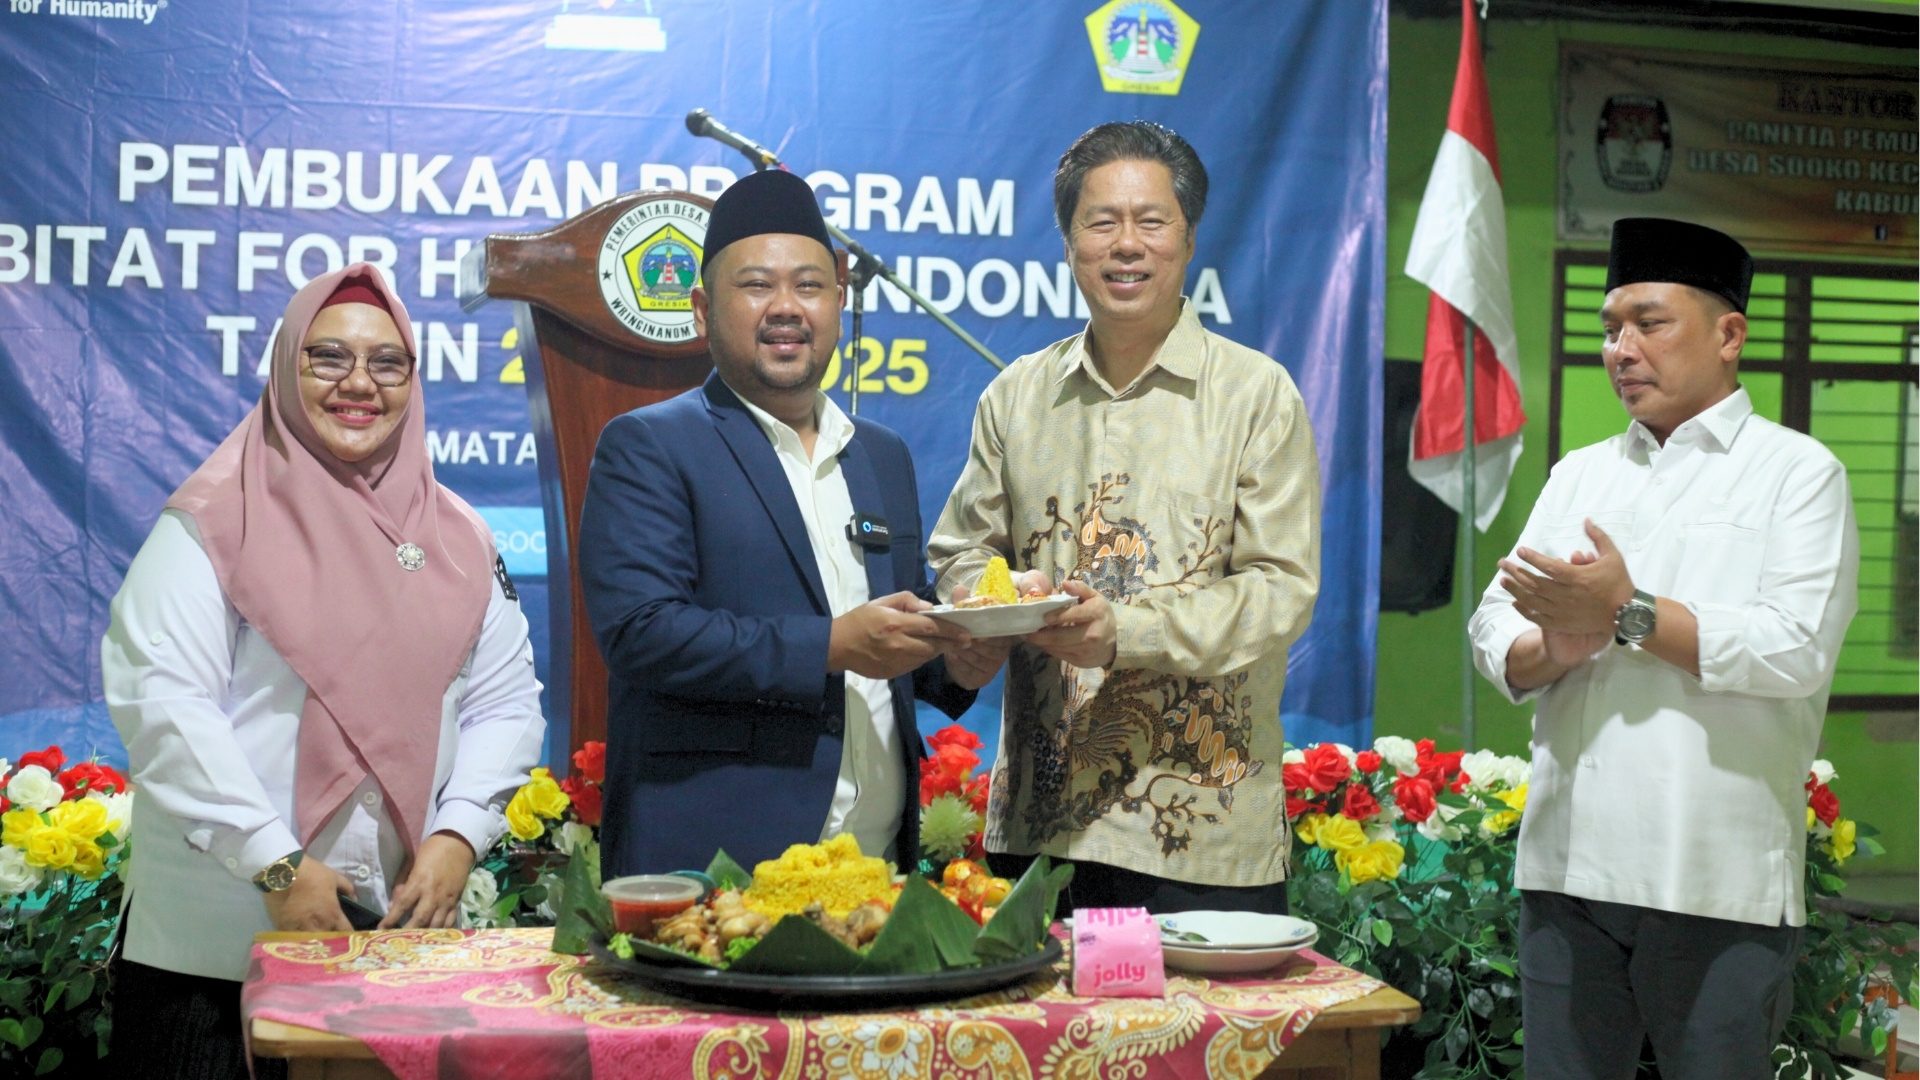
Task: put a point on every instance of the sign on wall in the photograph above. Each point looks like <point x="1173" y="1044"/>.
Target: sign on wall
<point x="1785" y="155"/>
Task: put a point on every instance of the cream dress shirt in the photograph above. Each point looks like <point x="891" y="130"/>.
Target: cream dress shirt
<point x="210" y="715"/>
<point x="1190" y="499"/>
<point x="871" y="792"/>
<point x="1650" y="786"/>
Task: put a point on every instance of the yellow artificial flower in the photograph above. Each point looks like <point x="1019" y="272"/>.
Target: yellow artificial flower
<point x="50" y="847"/>
<point x="86" y="819"/>
<point x="1501" y="821"/>
<point x="1841" y="843"/>
<point x="1377" y="860"/>
<point x="1812" y="819"/>
<point x="544" y="795"/>
<point x="1308" y="827"/>
<point x="88" y="860"/>
<point x="17" y="825"/>
<point x="1340" y="833"/>
<point x="522" y="822"/>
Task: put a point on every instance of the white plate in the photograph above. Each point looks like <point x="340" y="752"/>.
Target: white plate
<point x="1233" y="930"/>
<point x="1001" y="620"/>
<point x="1230" y="961"/>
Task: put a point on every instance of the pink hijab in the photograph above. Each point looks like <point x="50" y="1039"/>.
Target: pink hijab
<point x="305" y="546"/>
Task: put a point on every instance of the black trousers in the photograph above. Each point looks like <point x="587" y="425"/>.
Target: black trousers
<point x="1100" y="885"/>
<point x="171" y="1026"/>
<point x="1597" y="978"/>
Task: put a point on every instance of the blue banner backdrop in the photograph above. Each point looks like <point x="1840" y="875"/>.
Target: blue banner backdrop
<point x="176" y="169"/>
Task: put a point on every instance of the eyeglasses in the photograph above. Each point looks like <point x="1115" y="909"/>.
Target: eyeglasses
<point x="335" y="363"/>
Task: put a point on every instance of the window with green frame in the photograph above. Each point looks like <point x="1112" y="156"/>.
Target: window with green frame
<point x="1832" y="350"/>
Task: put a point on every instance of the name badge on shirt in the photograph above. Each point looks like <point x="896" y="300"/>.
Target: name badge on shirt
<point x="869" y="532"/>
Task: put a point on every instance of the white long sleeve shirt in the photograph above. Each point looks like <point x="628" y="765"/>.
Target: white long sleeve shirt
<point x="210" y="715"/>
<point x="872" y="788"/>
<point x="1650" y="786"/>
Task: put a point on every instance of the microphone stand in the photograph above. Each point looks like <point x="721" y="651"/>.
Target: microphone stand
<point x="863" y="266"/>
<point x="860" y="271"/>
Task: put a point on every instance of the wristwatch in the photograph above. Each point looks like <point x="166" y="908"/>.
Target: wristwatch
<point x="277" y="876"/>
<point x="1633" y="623"/>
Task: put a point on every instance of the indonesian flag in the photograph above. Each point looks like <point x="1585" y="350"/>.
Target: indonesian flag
<point x="1460" y="252"/>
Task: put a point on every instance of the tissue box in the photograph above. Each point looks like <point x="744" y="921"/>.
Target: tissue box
<point x="1116" y="953"/>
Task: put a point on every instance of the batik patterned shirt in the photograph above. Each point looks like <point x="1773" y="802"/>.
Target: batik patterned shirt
<point x="1190" y="499"/>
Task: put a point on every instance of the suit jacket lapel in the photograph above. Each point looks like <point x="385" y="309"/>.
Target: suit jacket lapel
<point x="759" y="461"/>
<point x="864" y="489"/>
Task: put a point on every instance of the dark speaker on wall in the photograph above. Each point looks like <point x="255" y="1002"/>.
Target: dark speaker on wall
<point x="1417" y="530"/>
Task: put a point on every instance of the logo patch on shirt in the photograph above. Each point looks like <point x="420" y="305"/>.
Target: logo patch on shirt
<point x="506" y="583"/>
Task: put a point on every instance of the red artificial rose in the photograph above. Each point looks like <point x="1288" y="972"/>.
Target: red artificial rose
<point x="976" y="793"/>
<point x="1298" y="807"/>
<point x="936" y="780"/>
<point x="4" y="804"/>
<point x="1414" y="796"/>
<point x="1826" y="805"/>
<point x="1326" y="767"/>
<point x="590" y="761"/>
<point x="954" y="735"/>
<point x="1294" y="778"/>
<point x="50" y="759"/>
<point x="1440" y="770"/>
<point x="1367" y="762"/>
<point x="90" y="776"/>
<point x="1359" y="803"/>
<point x="585" y="796"/>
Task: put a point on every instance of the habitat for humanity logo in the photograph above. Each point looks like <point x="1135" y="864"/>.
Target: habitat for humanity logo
<point x="136" y="10"/>
<point x="607" y="25"/>
<point x="1142" y="46"/>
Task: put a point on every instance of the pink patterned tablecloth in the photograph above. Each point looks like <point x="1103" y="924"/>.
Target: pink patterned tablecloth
<point x="470" y="1003"/>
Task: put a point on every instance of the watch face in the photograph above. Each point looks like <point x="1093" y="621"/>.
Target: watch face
<point x="277" y="877"/>
<point x="1636" y="622"/>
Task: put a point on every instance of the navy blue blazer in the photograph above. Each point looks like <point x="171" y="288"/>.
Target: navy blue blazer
<point x="723" y="727"/>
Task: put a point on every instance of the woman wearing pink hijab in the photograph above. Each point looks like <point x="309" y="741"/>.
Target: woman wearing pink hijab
<point x="322" y="677"/>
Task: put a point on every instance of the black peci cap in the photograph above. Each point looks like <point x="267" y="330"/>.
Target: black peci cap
<point x="1661" y="249"/>
<point x="771" y="201"/>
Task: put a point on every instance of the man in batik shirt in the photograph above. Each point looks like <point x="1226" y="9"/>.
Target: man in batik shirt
<point x="1165" y="477"/>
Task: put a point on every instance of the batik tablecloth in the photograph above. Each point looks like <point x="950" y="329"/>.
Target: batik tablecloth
<point x="457" y="1003"/>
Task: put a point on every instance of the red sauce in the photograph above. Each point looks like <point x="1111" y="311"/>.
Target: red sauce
<point x="637" y="917"/>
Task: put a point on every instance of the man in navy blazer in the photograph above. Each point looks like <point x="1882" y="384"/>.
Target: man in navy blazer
<point x="752" y="564"/>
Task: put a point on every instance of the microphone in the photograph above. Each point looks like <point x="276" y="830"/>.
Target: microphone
<point x="701" y="123"/>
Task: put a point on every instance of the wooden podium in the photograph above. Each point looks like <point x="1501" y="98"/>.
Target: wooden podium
<point x="600" y="303"/>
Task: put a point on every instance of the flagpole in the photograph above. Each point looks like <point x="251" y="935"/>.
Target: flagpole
<point x="1470" y="504"/>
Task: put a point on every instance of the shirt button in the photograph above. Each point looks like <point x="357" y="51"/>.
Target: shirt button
<point x="157" y="638"/>
<point x="1587" y="762"/>
<point x="371" y="798"/>
<point x="361" y="873"/>
<point x="233" y="864"/>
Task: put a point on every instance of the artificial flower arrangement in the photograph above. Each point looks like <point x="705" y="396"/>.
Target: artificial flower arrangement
<point x="953" y="807"/>
<point x="63" y="849"/>
<point x="519" y="881"/>
<point x="1405" y="857"/>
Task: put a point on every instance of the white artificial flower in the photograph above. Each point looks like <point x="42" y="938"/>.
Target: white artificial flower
<point x="35" y="789"/>
<point x="1398" y="752"/>
<point x="1822" y="771"/>
<point x="1439" y="826"/>
<point x="1293" y="756"/>
<point x="478" y="898"/>
<point x="1346" y="752"/>
<point x="15" y="875"/>
<point x="1489" y="771"/>
<point x="4" y="766"/>
<point x="1379" y="829"/>
<point x="119" y="811"/>
<point x="573" y="837"/>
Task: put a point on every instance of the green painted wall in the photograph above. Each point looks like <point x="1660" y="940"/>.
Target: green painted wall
<point x="1420" y="660"/>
